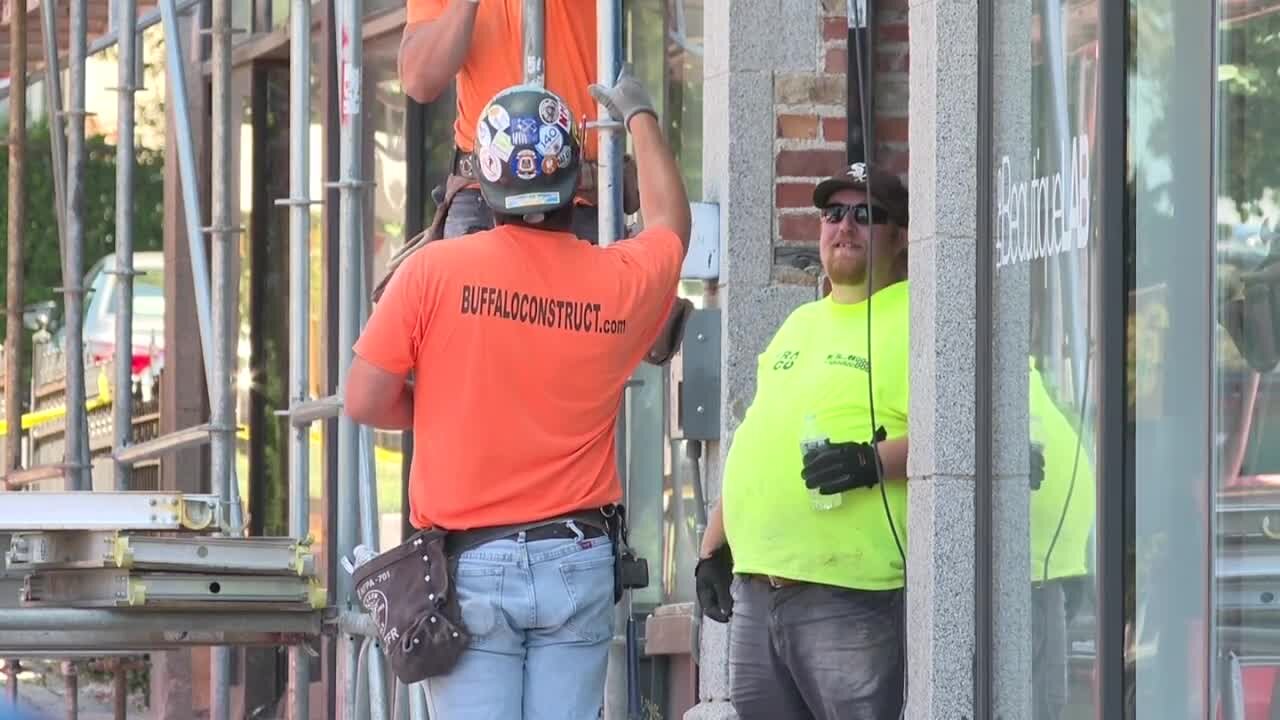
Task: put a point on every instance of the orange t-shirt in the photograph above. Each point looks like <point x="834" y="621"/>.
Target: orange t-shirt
<point x="495" y="58"/>
<point x="521" y="342"/>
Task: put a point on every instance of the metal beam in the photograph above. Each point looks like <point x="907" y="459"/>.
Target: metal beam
<point x="177" y="440"/>
<point x="303" y="412"/>
<point x="35" y="511"/>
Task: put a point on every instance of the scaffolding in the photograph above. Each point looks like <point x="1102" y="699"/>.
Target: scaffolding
<point x="117" y="571"/>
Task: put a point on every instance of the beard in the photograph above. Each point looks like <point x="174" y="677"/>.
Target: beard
<point x="847" y="270"/>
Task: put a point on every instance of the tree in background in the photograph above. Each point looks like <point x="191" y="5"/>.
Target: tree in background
<point x="43" y="261"/>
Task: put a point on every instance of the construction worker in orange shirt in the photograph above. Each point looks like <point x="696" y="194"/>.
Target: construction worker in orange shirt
<point x="477" y="44"/>
<point x="521" y="340"/>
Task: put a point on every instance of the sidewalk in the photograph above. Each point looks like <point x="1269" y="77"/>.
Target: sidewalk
<point x="42" y="696"/>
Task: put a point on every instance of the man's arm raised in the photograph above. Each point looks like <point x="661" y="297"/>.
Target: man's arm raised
<point x="431" y="51"/>
<point x="663" y="200"/>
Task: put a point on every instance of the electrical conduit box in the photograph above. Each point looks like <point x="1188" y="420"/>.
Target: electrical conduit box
<point x="702" y="262"/>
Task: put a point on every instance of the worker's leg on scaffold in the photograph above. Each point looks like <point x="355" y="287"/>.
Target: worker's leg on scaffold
<point x="468" y="213"/>
<point x="573" y="624"/>
<point x="487" y="682"/>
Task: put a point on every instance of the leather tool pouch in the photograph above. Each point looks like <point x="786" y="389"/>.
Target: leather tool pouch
<point x="409" y="592"/>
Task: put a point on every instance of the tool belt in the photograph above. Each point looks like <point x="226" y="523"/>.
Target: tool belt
<point x="410" y="594"/>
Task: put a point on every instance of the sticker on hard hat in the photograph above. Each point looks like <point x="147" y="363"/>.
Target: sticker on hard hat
<point x="502" y="146"/>
<point x="549" y="165"/>
<point x="532" y="199"/>
<point x="526" y="164"/>
<point x="550" y="140"/>
<point x="565" y="156"/>
<point x="548" y="110"/>
<point x="565" y="120"/>
<point x="498" y="117"/>
<point x="490" y="165"/>
<point x="524" y="130"/>
<point x="483" y="136"/>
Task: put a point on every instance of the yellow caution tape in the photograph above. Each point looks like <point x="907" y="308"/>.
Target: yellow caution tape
<point x="40" y="417"/>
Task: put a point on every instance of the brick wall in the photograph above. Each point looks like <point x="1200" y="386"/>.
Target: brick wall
<point x="810" y="115"/>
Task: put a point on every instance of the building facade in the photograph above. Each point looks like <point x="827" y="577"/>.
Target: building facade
<point x="1094" y="211"/>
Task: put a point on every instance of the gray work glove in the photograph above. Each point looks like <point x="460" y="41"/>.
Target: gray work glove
<point x="625" y="99"/>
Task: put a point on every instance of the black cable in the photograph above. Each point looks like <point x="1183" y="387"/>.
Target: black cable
<point x="871" y="393"/>
<point x="870" y="279"/>
<point x="1084" y="408"/>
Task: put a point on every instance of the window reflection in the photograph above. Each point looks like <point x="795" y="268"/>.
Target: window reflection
<point x="1045" y="378"/>
<point x="1247" y="443"/>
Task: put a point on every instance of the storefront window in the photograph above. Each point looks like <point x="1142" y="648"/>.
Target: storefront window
<point x="1169" y="116"/>
<point x="1044" y="384"/>
<point x="1246" y="441"/>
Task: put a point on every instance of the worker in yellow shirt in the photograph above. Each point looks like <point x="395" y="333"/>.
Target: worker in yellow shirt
<point x="1062" y="511"/>
<point x="814" y="509"/>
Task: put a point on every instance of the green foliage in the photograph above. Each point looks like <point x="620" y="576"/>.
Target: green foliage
<point x="42" y="262"/>
<point x="1249" y="80"/>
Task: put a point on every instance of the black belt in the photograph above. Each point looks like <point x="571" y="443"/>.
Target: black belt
<point x="591" y="523"/>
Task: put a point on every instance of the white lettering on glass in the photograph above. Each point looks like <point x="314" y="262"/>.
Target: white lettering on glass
<point x="1045" y="215"/>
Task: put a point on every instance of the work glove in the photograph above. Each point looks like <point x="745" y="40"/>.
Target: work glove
<point x="835" y="467"/>
<point x="625" y="99"/>
<point x="1037" y="465"/>
<point x="712" y="576"/>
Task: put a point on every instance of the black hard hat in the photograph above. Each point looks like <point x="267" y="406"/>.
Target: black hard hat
<point x="527" y="152"/>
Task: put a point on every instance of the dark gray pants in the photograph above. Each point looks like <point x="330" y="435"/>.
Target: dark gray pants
<point x="1049" y="651"/>
<point x="468" y="213"/>
<point x="815" y="652"/>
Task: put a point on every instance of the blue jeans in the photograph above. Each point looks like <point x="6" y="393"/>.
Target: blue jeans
<point x="468" y="213"/>
<point x="815" y="652"/>
<point x="541" y="618"/>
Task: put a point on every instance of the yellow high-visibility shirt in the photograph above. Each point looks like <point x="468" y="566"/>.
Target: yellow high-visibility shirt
<point x="817" y="363"/>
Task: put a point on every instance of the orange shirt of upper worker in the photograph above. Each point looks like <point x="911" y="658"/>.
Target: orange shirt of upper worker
<point x="521" y="342"/>
<point x="495" y="58"/>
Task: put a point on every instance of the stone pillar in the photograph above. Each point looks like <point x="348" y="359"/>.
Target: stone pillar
<point x="940" y="518"/>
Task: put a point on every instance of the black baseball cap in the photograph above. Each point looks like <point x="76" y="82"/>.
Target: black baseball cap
<point x="886" y="189"/>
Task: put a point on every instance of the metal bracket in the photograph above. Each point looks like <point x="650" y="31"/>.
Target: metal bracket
<point x="309" y="411"/>
<point x="698" y="390"/>
<point x="296" y="202"/>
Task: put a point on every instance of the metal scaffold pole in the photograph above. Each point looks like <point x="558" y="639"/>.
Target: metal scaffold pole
<point x="223" y="299"/>
<point x="609" y="135"/>
<point x="57" y="130"/>
<point x="175" y="68"/>
<point x="77" y="423"/>
<point x="299" y="300"/>
<point x="350" y="53"/>
<point x="17" y="224"/>
<point x="122" y="391"/>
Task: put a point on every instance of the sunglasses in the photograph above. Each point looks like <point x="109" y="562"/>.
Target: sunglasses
<point x="863" y="214"/>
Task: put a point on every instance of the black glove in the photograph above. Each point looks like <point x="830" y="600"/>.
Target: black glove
<point x="836" y="467"/>
<point x="712" y="578"/>
<point x="1037" y="466"/>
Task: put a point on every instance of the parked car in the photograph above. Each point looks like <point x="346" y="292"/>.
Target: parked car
<point x="102" y="291"/>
